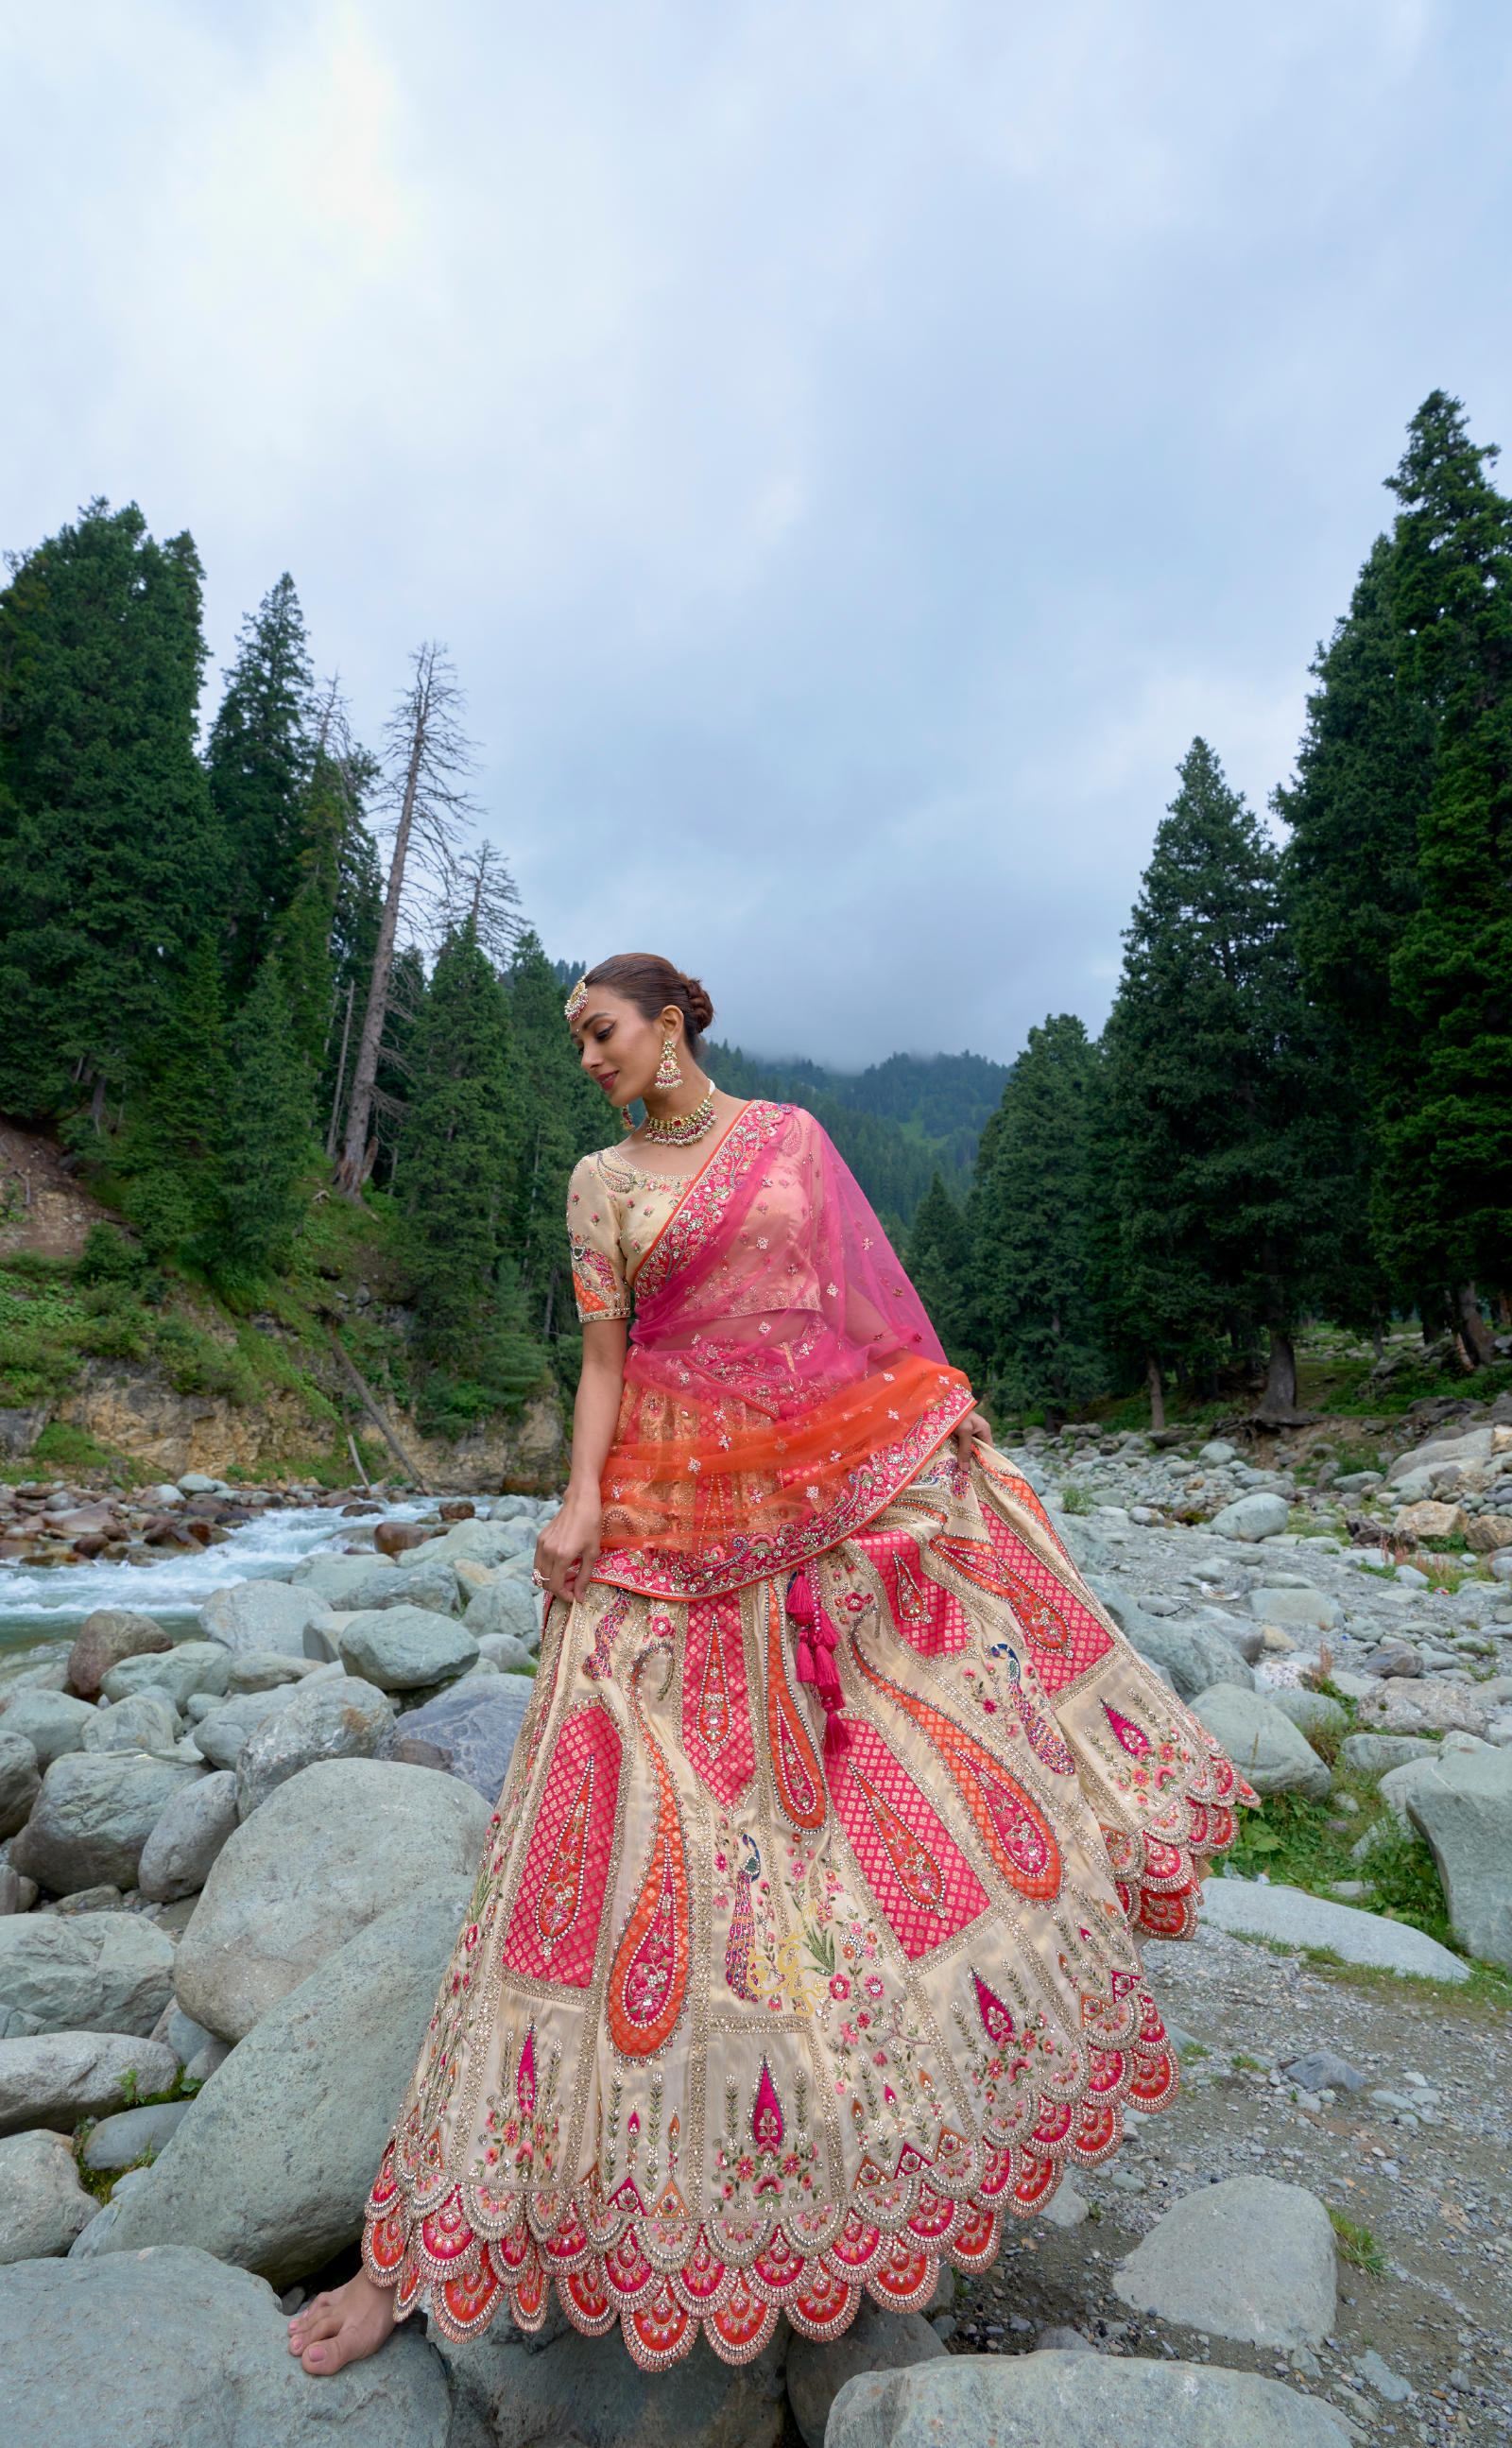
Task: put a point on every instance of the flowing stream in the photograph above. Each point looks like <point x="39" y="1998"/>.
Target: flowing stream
<point x="49" y="1607"/>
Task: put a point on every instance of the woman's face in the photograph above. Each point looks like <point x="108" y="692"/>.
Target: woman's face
<point x="620" y="1048"/>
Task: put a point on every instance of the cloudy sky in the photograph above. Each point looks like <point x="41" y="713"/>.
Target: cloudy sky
<point x="849" y="446"/>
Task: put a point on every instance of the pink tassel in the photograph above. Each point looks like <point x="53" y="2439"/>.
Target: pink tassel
<point x="808" y="1671"/>
<point x="836" y="1737"/>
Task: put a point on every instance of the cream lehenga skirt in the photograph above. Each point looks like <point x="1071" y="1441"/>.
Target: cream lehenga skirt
<point x="737" y="2026"/>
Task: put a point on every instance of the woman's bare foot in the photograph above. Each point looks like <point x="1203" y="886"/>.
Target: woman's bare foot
<point x="341" y="2327"/>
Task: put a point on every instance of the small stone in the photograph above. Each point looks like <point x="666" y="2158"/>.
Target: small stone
<point x="117" y="2142"/>
<point x="1061" y="2341"/>
<point x="42" y="2205"/>
<point x="399" y="1537"/>
<point x="1065" y="2206"/>
<point x="1382" y="2379"/>
<point x="206" y="2061"/>
<point x="1321" y="2070"/>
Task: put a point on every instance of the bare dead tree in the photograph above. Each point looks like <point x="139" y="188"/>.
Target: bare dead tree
<point x="427" y="757"/>
<point x="481" y="889"/>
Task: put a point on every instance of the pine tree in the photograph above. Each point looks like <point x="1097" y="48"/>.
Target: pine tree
<point x="458" y="1155"/>
<point x="938" y="1255"/>
<point x="563" y="1116"/>
<point x="268" y="1137"/>
<point x="1031" y="1226"/>
<point x="110" y="852"/>
<point x="1230" y="1122"/>
<point x="173" y="1155"/>
<point x="1443" y="1204"/>
<point x="260" y="759"/>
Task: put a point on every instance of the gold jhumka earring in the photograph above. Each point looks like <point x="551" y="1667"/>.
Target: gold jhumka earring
<point x="668" y="1076"/>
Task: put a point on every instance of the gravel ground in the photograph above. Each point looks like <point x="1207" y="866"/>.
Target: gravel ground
<point x="1433" y="2190"/>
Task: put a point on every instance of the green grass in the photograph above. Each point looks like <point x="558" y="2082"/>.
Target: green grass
<point x="1080" y="1500"/>
<point x="65" y="1449"/>
<point x="1357" y="2246"/>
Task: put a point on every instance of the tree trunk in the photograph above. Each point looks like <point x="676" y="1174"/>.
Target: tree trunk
<point x="370" y="1045"/>
<point x="97" y="1102"/>
<point x="1280" y="1376"/>
<point x="1156" y="1393"/>
<point x="1473" y="1326"/>
<point x="341" y="1074"/>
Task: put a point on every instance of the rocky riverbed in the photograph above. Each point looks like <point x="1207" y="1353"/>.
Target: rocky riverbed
<point x="213" y="1907"/>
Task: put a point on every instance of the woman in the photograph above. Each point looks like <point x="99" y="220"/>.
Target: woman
<point x="802" y="1951"/>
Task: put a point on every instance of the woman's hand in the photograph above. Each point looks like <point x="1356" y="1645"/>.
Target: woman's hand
<point x="568" y="1548"/>
<point x="972" y="1430"/>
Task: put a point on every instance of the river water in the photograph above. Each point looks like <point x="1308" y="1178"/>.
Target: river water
<point x="49" y="1607"/>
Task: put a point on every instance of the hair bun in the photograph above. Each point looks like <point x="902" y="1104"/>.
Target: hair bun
<point x="700" y="1010"/>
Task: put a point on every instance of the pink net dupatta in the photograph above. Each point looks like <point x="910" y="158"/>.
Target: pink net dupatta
<point x="783" y="1381"/>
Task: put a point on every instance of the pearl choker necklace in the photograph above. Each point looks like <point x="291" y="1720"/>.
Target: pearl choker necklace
<point x="681" y="1130"/>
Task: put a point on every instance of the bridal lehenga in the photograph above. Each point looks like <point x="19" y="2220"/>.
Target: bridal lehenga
<point x="803" y="1950"/>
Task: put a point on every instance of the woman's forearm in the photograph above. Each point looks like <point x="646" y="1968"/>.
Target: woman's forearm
<point x="596" y="1411"/>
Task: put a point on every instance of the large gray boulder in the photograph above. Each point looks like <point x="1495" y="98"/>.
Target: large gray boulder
<point x="1251" y="1517"/>
<point x="260" y="1615"/>
<point x="59" y="2077"/>
<point x="20" y="1781"/>
<point x="333" y="1576"/>
<point x="1194" y="1656"/>
<point x="877" y="2340"/>
<point x="1264" y="1747"/>
<point x="184" y="1842"/>
<point x="191" y="1666"/>
<point x="478" y="1542"/>
<point x="93" y="1816"/>
<point x="469" y="1731"/>
<point x="1247" y="2259"/>
<point x="335" y="1718"/>
<point x="86" y="1972"/>
<point x="1254" y="1908"/>
<point x="402" y="1647"/>
<point x="326" y="1854"/>
<point x="509" y="1606"/>
<point x="430" y="1582"/>
<point x="328" y="2064"/>
<point x="145" y="1721"/>
<point x="264" y="1670"/>
<point x="1058" y="2400"/>
<point x="513" y="2391"/>
<point x="1464" y="1809"/>
<point x="52" y="1723"/>
<point x="42" y="2205"/>
<point x="1422" y="1704"/>
<point x="170" y="2349"/>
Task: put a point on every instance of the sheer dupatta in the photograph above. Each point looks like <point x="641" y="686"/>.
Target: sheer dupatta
<point x="783" y="1380"/>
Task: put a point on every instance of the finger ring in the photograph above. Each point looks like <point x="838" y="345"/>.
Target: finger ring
<point x="538" y="1581"/>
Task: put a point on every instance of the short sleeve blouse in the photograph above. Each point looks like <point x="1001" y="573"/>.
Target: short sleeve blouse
<point x="614" y="1213"/>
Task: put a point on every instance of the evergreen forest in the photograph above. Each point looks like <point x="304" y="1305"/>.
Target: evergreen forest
<point x="260" y="977"/>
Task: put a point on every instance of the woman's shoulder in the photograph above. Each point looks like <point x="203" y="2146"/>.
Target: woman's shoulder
<point x="603" y="1171"/>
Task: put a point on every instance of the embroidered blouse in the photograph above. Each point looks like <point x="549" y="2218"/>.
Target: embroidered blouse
<point x="614" y="1213"/>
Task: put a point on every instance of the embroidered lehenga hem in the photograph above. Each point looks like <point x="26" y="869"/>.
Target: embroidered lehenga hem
<point x="744" y="2024"/>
